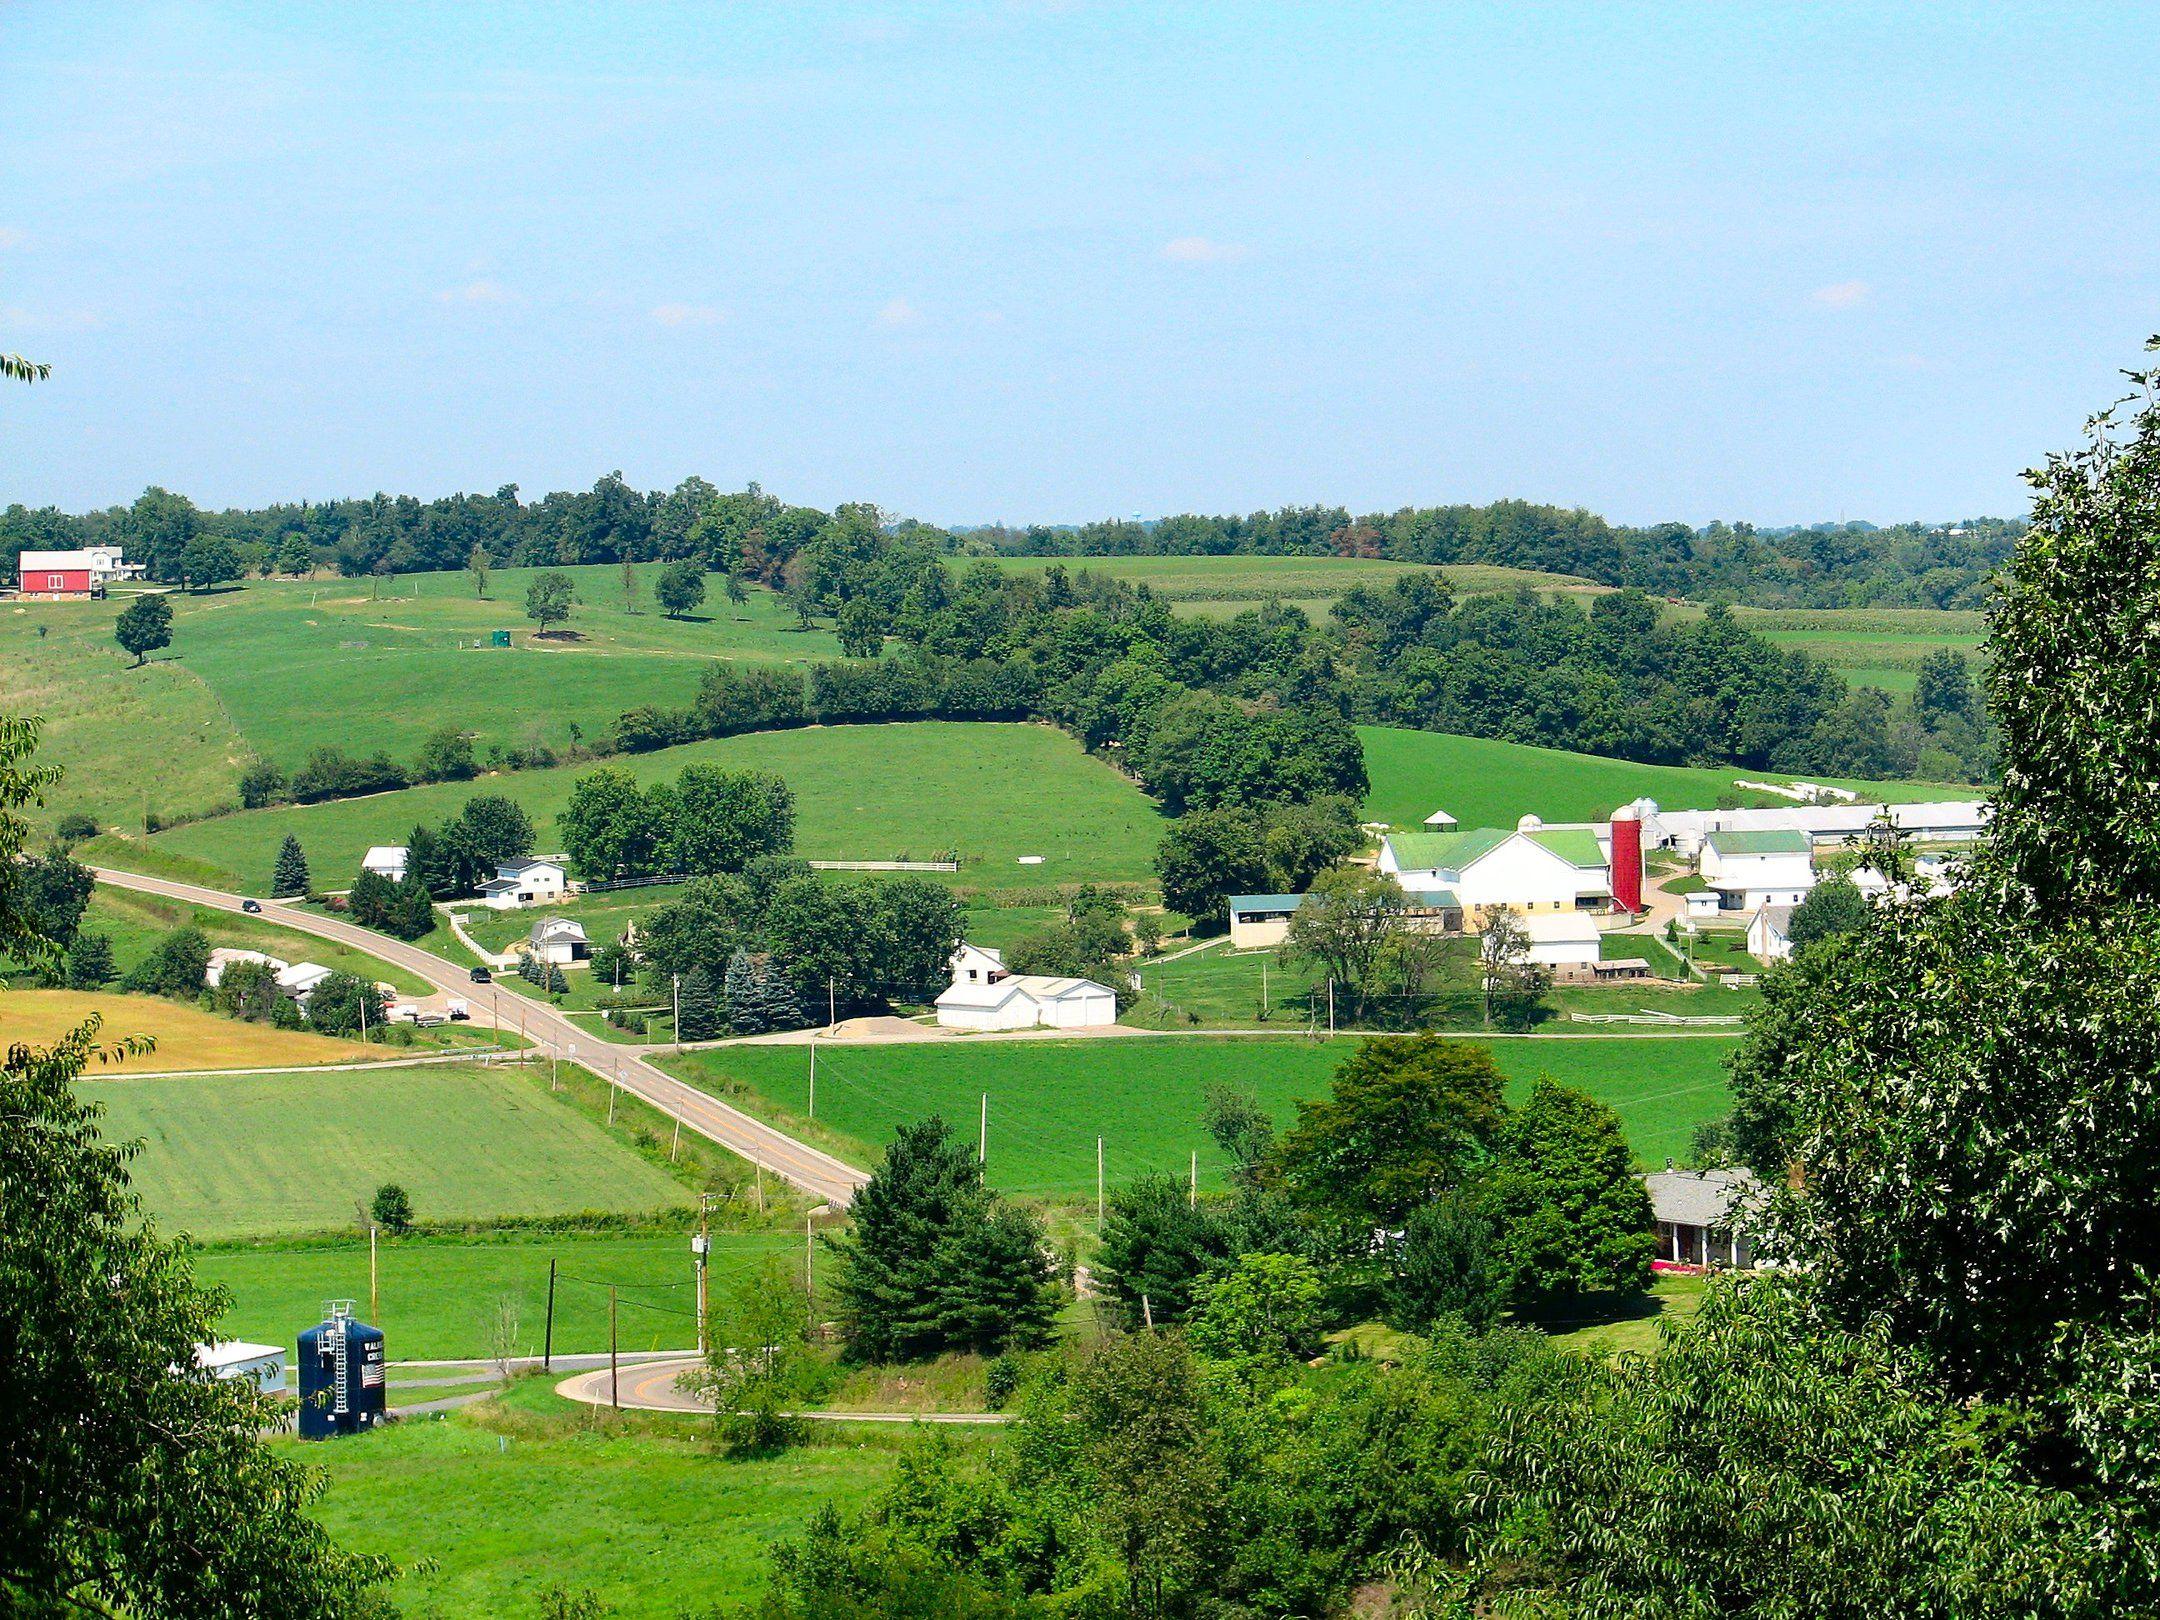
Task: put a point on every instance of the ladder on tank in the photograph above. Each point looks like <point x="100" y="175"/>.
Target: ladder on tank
<point x="339" y="1314"/>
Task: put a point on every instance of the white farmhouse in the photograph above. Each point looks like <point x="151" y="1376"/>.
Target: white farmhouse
<point x="977" y="964"/>
<point x="558" y="942"/>
<point x="1027" y="1001"/>
<point x="525" y="883"/>
<point x="1769" y="934"/>
<point x="1750" y="870"/>
<point x="387" y="861"/>
<point x="225" y="956"/>
<point x="1533" y="870"/>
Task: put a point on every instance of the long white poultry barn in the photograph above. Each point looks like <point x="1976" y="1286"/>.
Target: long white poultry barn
<point x="1935" y="821"/>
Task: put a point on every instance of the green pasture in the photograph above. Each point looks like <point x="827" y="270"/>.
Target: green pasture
<point x="1873" y="646"/>
<point x="277" y="667"/>
<point x="1218" y="587"/>
<point x="248" y="1155"/>
<point x="491" y="1509"/>
<point x="991" y="792"/>
<point x="1051" y="1099"/>
<point x="1483" y="783"/>
<point x="441" y="1298"/>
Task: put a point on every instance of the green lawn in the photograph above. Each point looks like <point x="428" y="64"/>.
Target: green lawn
<point x="992" y="792"/>
<point x="277" y="667"/>
<point x="296" y="1152"/>
<point x="1049" y="1100"/>
<point x="1492" y="784"/>
<point x="1873" y="646"/>
<point x="438" y="1297"/>
<point x="493" y="1508"/>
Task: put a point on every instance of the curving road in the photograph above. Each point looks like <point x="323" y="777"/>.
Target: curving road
<point x="652" y="1387"/>
<point x="627" y="1066"/>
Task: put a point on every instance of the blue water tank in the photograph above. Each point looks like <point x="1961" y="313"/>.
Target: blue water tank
<point x="342" y="1385"/>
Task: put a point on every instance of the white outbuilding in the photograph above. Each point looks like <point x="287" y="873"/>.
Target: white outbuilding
<point x="559" y="942"/>
<point x="262" y="1365"/>
<point x="1027" y="1001"/>
<point x="1562" y="939"/>
<point x="386" y="861"/>
<point x="1769" y="934"/>
<point x="1753" y="869"/>
<point x="226" y="956"/>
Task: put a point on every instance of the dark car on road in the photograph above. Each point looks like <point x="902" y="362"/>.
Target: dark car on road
<point x="481" y="976"/>
<point x="251" y="906"/>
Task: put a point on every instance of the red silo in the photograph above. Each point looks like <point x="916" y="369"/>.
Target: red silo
<point x="1627" y="867"/>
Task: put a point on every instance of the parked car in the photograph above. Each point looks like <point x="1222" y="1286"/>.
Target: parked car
<point x="482" y="976"/>
<point x="254" y="906"/>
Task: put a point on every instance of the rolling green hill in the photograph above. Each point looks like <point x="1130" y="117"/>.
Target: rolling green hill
<point x="1217" y="587"/>
<point x="1491" y="784"/>
<point x="277" y="667"/>
<point x="990" y="792"/>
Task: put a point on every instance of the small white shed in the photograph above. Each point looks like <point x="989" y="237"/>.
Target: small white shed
<point x="559" y="942"/>
<point x="1562" y="939"/>
<point x="386" y="860"/>
<point x="262" y="1365"/>
<point x="1027" y="1001"/>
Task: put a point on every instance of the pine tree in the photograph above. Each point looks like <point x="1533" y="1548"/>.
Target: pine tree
<point x="411" y="912"/>
<point x="777" y="1002"/>
<point x="428" y="860"/>
<point x="739" y="989"/>
<point x="291" y="876"/>
<point x="371" y="899"/>
<point x="90" y="962"/>
<point x="698" y="1018"/>
<point x="557" y="984"/>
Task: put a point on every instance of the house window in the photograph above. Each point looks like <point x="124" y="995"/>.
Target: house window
<point x="54" y="582"/>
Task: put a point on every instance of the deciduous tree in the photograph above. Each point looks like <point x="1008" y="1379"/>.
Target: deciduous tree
<point x="144" y="626"/>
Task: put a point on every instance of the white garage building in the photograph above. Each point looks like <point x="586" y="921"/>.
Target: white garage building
<point x="1027" y="1001"/>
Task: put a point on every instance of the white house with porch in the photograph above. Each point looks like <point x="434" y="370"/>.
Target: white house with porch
<point x="525" y="883"/>
<point x="1699" y="1217"/>
<point x="1750" y="870"/>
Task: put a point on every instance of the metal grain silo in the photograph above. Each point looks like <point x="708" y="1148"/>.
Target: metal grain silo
<point x="342" y="1384"/>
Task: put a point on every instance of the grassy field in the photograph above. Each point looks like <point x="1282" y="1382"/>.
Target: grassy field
<point x="1872" y="646"/>
<point x="438" y="1297"/>
<point x="990" y="792"/>
<point x="186" y="1037"/>
<point x="250" y="1155"/>
<point x="1491" y="784"/>
<point x="1218" y="587"/>
<point x="260" y="669"/>
<point x="1050" y="1100"/>
<point x="492" y="1509"/>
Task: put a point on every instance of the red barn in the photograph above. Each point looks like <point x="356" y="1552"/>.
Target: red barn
<point x="58" y="573"/>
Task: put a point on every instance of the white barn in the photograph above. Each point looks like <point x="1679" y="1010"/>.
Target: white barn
<point x="262" y="1365"/>
<point x="1535" y="869"/>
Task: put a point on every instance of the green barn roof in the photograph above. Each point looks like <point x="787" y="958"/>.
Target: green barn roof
<point x="1444" y="852"/>
<point x="1777" y="842"/>
<point x="1578" y="846"/>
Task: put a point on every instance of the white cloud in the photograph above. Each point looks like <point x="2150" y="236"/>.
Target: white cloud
<point x="898" y="312"/>
<point x="1842" y="295"/>
<point x="1202" y="250"/>
<point x="688" y="314"/>
<point x="486" y="290"/>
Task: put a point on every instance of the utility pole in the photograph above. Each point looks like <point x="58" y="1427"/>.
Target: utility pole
<point x="1098" y="1187"/>
<point x="678" y="1013"/>
<point x="982" y="1140"/>
<point x="1263" y="989"/>
<point x="1192" y="1185"/>
<point x="374" y="1297"/>
<point x="809" y="1275"/>
<point x="552" y="1086"/>
<point x="547" y="1336"/>
<point x="700" y="1246"/>
<point x="614" y="1376"/>
<point x="813" y="1077"/>
<point x="675" y="1146"/>
<point x="1331" y="1006"/>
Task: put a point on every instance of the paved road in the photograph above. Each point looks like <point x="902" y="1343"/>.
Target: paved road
<point x="782" y="1155"/>
<point x="652" y="1388"/>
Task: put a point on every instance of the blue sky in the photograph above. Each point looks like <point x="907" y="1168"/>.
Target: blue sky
<point x="1060" y="261"/>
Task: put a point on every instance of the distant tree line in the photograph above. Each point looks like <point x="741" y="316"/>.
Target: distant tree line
<point x="749" y="534"/>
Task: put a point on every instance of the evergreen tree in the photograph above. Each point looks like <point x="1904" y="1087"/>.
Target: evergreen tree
<point x="411" y="912"/>
<point x="937" y="1261"/>
<point x="760" y="996"/>
<point x="90" y="962"/>
<point x="291" y="876"/>
<point x="428" y="859"/>
<point x="699" y="1007"/>
<point x="370" y="900"/>
<point x="1156" y="1247"/>
<point x="556" y="984"/>
<point x="177" y="967"/>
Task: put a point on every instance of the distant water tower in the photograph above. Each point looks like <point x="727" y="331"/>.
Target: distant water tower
<point x="342" y="1385"/>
